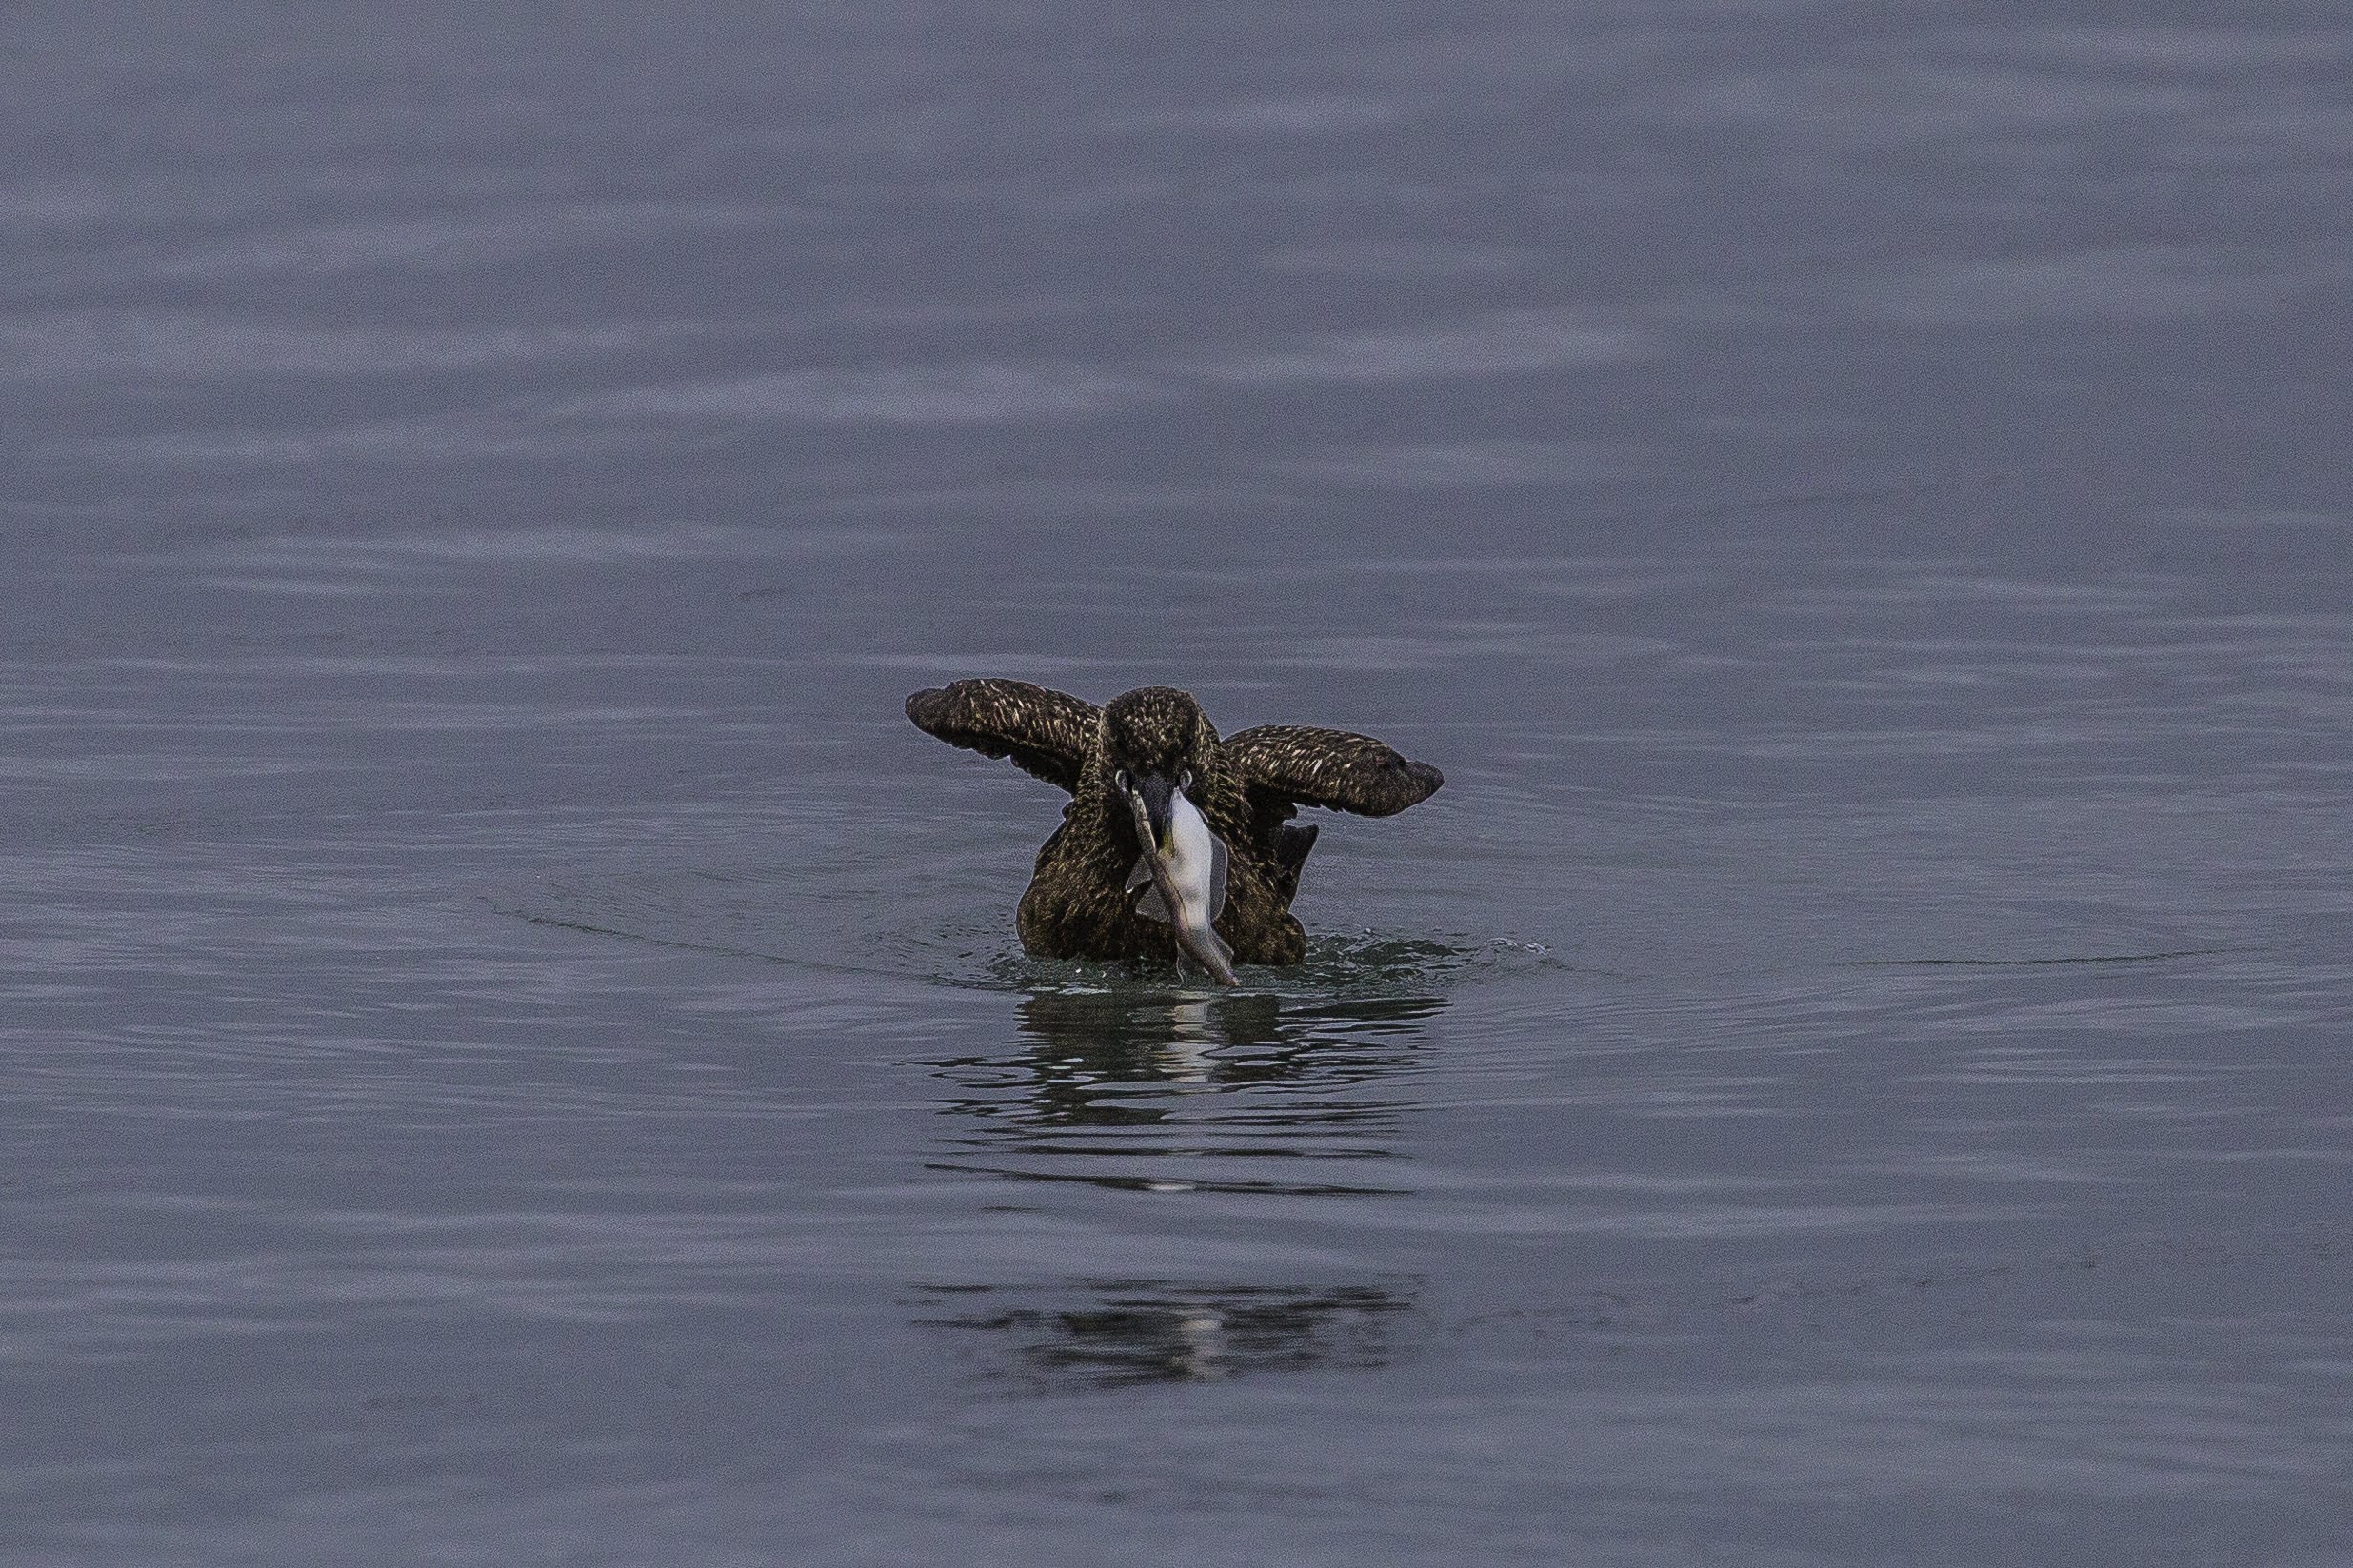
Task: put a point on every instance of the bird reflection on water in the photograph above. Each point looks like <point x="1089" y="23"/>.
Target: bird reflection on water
<point x="1115" y="1332"/>
<point x="1155" y="1091"/>
<point x="1151" y="1091"/>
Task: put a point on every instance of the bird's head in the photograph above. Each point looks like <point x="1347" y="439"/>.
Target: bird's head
<point x="1156" y="741"/>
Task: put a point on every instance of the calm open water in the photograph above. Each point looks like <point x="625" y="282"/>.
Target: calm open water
<point x="514" y="1050"/>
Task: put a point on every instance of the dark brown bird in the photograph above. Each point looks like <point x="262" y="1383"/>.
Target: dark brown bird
<point x="1145" y="772"/>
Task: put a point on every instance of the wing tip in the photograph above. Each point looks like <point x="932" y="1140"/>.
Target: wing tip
<point x="928" y="708"/>
<point x="1420" y="782"/>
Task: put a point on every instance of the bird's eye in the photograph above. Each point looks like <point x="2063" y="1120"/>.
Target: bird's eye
<point x="1126" y="784"/>
<point x="1184" y="779"/>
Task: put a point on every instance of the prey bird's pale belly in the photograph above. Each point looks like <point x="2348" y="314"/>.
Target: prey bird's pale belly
<point x="1182" y="884"/>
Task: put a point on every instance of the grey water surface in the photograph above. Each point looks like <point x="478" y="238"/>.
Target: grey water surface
<point x="515" y="1052"/>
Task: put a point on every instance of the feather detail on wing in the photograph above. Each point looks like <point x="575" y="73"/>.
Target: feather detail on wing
<point x="1283" y="766"/>
<point x="1044" y="732"/>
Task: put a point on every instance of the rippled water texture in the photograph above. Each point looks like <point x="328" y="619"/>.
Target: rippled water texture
<point x="514" y="1048"/>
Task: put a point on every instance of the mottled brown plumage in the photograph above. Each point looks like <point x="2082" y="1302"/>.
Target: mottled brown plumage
<point x="1079" y="903"/>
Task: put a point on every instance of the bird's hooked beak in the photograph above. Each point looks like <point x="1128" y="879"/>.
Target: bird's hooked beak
<point x="1150" y="794"/>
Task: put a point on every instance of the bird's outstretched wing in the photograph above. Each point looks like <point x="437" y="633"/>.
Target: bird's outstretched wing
<point x="1283" y="766"/>
<point x="1045" y="734"/>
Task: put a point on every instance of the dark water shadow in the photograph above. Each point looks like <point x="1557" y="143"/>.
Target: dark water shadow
<point x="1107" y="1333"/>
